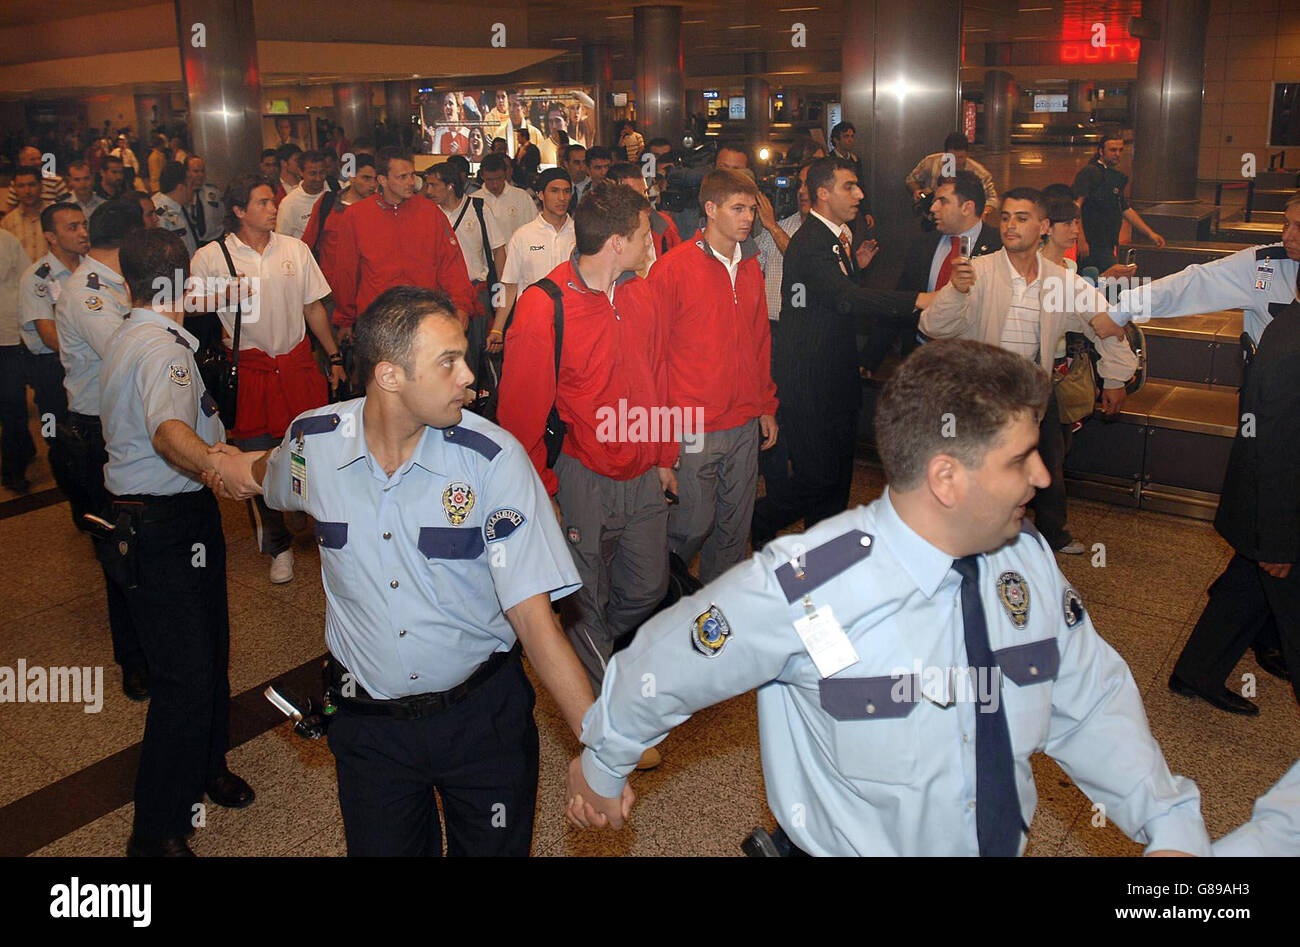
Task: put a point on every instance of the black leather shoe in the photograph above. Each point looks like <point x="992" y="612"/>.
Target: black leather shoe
<point x="231" y="792"/>
<point x="159" y="848"/>
<point x="1222" y="698"/>
<point x="1271" y="660"/>
<point x="135" y="684"/>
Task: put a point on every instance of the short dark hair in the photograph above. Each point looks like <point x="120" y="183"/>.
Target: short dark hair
<point x="493" y="163"/>
<point x="570" y="149"/>
<point x="599" y="153"/>
<point x="736" y="148"/>
<point x="363" y="160"/>
<point x="608" y="208"/>
<point x="658" y="142"/>
<point x="956" y="142"/>
<point x="79" y="163"/>
<point x="47" y="215"/>
<point x="1030" y="194"/>
<point x="269" y="153"/>
<point x="623" y="170"/>
<point x="385" y="332"/>
<point x="460" y="162"/>
<point x="1062" y="210"/>
<point x="27" y="171"/>
<point x="388" y="154"/>
<point x="451" y="176"/>
<point x="286" y="151"/>
<point x="111" y="159"/>
<point x="171" y="177"/>
<point x="821" y="173"/>
<point x="1059" y="192"/>
<point x="1109" y="133"/>
<point x="191" y="157"/>
<point x="968" y="187"/>
<point x="841" y="128"/>
<point x="952" y="396"/>
<point x="314" y="155"/>
<point x="551" y="174"/>
<point x="238" y="193"/>
<point x="718" y="185"/>
<point x="148" y="256"/>
<point x="113" y="220"/>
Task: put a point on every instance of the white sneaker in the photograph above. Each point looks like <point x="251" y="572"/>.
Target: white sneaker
<point x="1073" y="548"/>
<point x="282" y="568"/>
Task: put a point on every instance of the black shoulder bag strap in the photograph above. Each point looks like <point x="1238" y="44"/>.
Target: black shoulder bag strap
<point x="239" y="307"/>
<point x="556" y="429"/>
<point x="327" y="205"/>
<point x="487" y="245"/>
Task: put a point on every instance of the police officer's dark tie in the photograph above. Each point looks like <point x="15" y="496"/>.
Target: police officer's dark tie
<point x="199" y="227"/>
<point x="997" y="806"/>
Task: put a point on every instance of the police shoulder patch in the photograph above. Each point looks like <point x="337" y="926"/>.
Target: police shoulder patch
<point x="501" y="523"/>
<point x="1072" y="604"/>
<point x="710" y="631"/>
<point x="180" y="375"/>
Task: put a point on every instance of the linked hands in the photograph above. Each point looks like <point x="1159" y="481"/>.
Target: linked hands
<point x="587" y="810"/>
<point x="230" y="472"/>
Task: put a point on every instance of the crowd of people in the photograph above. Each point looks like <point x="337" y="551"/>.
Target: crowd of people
<point x="634" y="378"/>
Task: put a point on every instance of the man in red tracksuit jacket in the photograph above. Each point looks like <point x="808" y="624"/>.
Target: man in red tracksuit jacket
<point x="391" y="240"/>
<point x="711" y="294"/>
<point x="616" y="463"/>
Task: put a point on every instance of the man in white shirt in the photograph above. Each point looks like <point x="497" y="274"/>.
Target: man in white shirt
<point x="771" y="249"/>
<point x="480" y="238"/>
<point x="535" y="248"/>
<point x="173" y="203"/>
<point x="1021" y="302"/>
<point x="52" y="186"/>
<point x="295" y="210"/>
<point x="278" y="375"/>
<point x="510" y="205"/>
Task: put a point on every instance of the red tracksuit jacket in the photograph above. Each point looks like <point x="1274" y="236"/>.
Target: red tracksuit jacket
<point x="381" y="246"/>
<point x="719" y="340"/>
<point x="611" y="354"/>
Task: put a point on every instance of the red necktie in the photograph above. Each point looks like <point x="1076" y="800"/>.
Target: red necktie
<point x="849" y="263"/>
<point x="945" y="268"/>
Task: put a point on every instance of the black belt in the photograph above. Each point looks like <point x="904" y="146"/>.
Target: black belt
<point x="416" y="705"/>
<point x="152" y="508"/>
<point x="84" y="420"/>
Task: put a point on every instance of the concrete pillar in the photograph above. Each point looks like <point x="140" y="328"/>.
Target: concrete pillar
<point x="901" y="90"/>
<point x="660" y="100"/>
<point x="758" y="98"/>
<point x="397" y="103"/>
<point x="999" y="107"/>
<point x="352" y="109"/>
<point x="598" y="74"/>
<point x="1080" y="95"/>
<point x="1167" y="101"/>
<point x="222" y="83"/>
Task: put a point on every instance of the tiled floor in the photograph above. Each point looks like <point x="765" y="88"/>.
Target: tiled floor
<point x="709" y="791"/>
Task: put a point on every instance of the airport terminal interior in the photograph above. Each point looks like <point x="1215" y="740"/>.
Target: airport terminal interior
<point x="1204" y="94"/>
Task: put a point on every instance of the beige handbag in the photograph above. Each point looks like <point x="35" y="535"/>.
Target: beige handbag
<point x="1076" y="390"/>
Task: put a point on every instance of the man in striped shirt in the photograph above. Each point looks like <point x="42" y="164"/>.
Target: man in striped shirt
<point x="53" y="187"/>
<point x="1024" y="303"/>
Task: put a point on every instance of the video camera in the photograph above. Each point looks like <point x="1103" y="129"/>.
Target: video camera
<point x="921" y="208"/>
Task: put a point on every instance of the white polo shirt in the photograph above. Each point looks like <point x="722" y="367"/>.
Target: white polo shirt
<point x="286" y="278"/>
<point x="512" y="209"/>
<point x="295" y="212"/>
<point x="470" y="235"/>
<point x="537" y="248"/>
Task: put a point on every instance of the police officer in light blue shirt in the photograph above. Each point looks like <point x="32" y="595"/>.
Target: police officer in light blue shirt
<point x="440" y="553"/>
<point x="910" y="655"/>
<point x="1274" y="827"/>
<point x="1260" y="281"/>
<point x="167" y="552"/>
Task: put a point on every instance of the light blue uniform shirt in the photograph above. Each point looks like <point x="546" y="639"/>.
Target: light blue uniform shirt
<point x="149" y="376"/>
<point x="172" y="216"/>
<point x="1274" y="827"/>
<point x="92" y="305"/>
<point x="420" y="567"/>
<point x="39" y="289"/>
<point x="879" y="759"/>
<point x="1257" y="280"/>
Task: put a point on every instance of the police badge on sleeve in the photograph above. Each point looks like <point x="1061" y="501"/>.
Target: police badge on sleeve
<point x="710" y="631"/>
